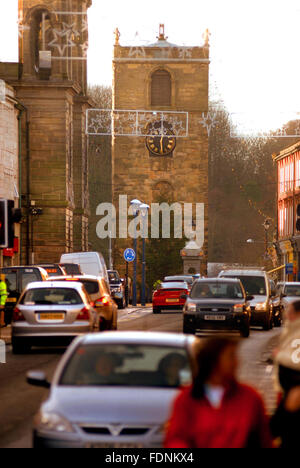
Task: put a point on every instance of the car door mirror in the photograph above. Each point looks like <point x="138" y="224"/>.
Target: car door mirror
<point x="38" y="379"/>
<point x="249" y="298"/>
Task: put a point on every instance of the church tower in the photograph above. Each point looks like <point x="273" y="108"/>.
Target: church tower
<point x="167" y="157"/>
<point x="52" y="85"/>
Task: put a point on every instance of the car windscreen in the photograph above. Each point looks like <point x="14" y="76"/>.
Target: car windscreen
<point x="51" y="296"/>
<point x="253" y="285"/>
<point x="127" y="365"/>
<point x="170" y="285"/>
<point x="292" y="290"/>
<point x="29" y="276"/>
<point x="71" y="268"/>
<point x="91" y="287"/>
<point x="11" y="282"/>
<point x="113" y="277"/>
<point x="171" y="279"/>
<point x="213" y="290"/>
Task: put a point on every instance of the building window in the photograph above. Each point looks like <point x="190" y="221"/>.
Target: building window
<point x="161" y="89"/>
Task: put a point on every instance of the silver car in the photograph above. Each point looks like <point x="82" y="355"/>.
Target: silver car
<point x="290" y="292"/>
<point x="51" y="311"/>
<point x="113" y="390"/>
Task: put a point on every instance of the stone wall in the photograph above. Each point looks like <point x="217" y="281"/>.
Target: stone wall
<point x="9" y="157"/>
<point x="184" y="175"/>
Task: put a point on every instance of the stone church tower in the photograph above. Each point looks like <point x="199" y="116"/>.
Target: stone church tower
<point x="169" y="78"/>
<point x="52" y="85"/>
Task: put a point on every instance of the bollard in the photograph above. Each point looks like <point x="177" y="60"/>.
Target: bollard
<point x="2" y="352"/>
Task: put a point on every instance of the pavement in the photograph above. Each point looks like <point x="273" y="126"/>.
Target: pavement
<point x="5" y="335"/>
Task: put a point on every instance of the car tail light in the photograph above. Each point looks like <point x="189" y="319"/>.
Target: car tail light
<point x="18" y="316"/>
<point x="84" y="314"/>
<point x="103" y="301"/>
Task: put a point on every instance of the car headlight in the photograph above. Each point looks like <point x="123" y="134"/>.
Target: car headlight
<point x="53" y="422"/>
<point x="238" y="308"/>
<point x="190" y="308"/>
<point x="261" y="306"/>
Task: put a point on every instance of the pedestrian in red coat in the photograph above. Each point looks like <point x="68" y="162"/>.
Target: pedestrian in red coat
<point x="218" y="411"/>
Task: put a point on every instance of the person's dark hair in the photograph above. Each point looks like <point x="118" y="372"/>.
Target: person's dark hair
<point x="296" y="306"/>
<point x="207" y="358"/>
<point x="167" y="360"/>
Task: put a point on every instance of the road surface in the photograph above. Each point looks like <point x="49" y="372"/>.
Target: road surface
<point x="20" y="402"/>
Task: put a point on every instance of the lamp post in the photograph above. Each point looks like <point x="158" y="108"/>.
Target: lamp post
<point x="135" y="204"/>
<point x="267" y="225"/>
<point x="144" y="212"/>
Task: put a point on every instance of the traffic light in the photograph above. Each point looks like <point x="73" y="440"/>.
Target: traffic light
<point x="14" y="215"/>
<point x="3" y="224"/>
<point x="9" y="215"/>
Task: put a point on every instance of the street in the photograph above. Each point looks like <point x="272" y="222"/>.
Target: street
<point x="20" y="402"/>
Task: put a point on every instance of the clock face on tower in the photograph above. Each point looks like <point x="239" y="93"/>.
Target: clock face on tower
<point x="161" y="142"/>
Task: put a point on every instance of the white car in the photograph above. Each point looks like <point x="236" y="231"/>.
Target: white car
<point x="290" y="292"/>
<point x="51" y="312"/>
<point x="113" y="390"/>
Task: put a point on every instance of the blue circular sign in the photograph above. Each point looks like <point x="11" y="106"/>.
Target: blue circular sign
<point x="129" y="255"/>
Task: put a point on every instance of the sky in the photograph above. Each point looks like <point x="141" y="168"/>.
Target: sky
<point x="255" y="51"/>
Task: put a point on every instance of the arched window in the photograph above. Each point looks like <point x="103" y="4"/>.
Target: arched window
<point x="161" y="89"/>
<point x="40" y="32"/>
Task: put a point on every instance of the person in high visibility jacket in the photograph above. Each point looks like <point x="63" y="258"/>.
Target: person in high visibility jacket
<point x="3" y="298"/>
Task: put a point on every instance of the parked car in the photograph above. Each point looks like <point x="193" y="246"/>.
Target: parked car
<point x="180" y="278"/>
<point x="217" y="304"/>
<point x="113" y="390"/>
<point x="53" y="269"/>
<point x="17" y="278"/>
<point x="71" y="269"/>
<point x="117" y="288"/>
<point x="256" y="283"/>
<point x="91" y="263"/>
<point x="51" y="312"/>
<point x="290" y="292"/>
<point x="170" y="296"/>
<point x="98" y="291"/>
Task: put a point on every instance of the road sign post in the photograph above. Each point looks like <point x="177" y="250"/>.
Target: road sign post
<point x="129" y="256"/>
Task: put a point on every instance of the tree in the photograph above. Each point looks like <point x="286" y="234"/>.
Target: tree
<point x="101" y="95"/>
<point x="100" y="169"/>
<point x="242" y="191"/>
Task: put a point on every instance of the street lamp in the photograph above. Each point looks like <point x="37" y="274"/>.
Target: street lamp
<point x="267" y="225"/>
<point x="135" y="204"/>
<point x="144" y="212"/>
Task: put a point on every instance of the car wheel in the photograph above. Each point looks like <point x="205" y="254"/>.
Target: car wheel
<point x="121" y="304"/>
<point x="245" y="332"/>
<point x="103" y="325"/>
<point x="267" y="323"/>
<point x="19" y="346"/>
<point x="278" y="321"/>
<point x="156" y="310"/>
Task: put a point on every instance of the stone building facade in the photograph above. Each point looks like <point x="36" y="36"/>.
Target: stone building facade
<point x="9" y="160"/>
<point x="169" y="78"/>
<point x="50" y="82"/>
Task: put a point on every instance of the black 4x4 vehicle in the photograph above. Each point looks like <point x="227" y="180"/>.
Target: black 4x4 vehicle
<point x="17" y="279"/>
<point x="217" y="304"/>
<point x="117" y="288"/>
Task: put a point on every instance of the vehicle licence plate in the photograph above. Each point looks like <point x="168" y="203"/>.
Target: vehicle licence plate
<point x="216" y="318"/>
<point x="51" y="317"/>
<point x="172" y="300"/>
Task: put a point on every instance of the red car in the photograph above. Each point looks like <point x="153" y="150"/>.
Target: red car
<point x="170" y="296"/>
